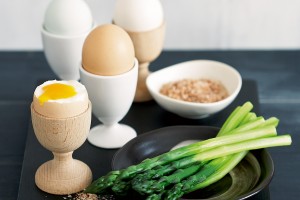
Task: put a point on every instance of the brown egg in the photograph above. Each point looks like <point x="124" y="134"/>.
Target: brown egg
<point x="107" y="51"/>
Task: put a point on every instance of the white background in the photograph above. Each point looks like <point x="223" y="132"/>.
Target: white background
<point x="191" y="24"/>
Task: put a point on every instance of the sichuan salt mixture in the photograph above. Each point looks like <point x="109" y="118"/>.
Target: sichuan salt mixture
<point x="195" y="90"/>
<point x="88" y="196"/>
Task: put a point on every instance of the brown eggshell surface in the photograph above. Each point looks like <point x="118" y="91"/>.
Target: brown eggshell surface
<point x="108" y="50"/>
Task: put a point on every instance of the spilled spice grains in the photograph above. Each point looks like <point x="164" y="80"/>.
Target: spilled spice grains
<point x="195" y="90"/>
<point x="85" y="196"/>
<point x="88" y="196"/>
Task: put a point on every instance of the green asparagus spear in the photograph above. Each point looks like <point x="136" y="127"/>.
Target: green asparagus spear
<point x="161" y="171"/>
<point x="103" y="183"/>
<point x="198" y="147"/>
<point x="242" y="131"/>
<point x="230" y="161"/>
<point x="228" y="127"/>
<point x="121" y="188"/>
<point x="151" y="186"/>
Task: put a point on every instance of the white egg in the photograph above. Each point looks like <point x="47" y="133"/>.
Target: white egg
<point x="138" y="15"/>
<point x="61" y="100"/>
<point x="68" y="17"/>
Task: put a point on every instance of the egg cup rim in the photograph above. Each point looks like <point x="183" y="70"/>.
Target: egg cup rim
<point x="62" y="119"/>
<point x="54" y="35"/>
<point x="161" y="26"/>
<point x="83" y="70"/>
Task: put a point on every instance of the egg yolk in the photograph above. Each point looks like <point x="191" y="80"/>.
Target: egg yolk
<point x="56" y="91"/>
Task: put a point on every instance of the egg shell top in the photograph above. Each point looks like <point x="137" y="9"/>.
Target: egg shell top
<point x="68" y="17"/>
<point x="138" y="15"/>
<point x="65" y="107"/>
<point x="107" y="51"/>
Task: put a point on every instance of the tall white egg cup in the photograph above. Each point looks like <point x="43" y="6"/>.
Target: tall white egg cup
<point x="63" y="53"/>
<point x="111" y="98"/>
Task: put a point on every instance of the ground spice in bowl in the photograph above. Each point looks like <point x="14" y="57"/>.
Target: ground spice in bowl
<point x="195" y="90"/>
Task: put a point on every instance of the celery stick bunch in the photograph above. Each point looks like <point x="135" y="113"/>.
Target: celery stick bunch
<point x="186" y="169"/>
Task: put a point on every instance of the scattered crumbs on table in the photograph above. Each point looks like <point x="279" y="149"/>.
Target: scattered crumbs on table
<point x="88" y="196"/>
<point x="106" y="197"/>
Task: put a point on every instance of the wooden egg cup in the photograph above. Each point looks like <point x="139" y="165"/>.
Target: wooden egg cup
<point x="62" y="175"/>
<point x="148" y="46"/>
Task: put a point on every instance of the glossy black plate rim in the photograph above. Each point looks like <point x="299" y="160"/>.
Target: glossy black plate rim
<point x="150" y="134"/>
<point x="267" y="180"/>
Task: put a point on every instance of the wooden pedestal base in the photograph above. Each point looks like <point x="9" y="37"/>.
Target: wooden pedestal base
<point x="63" y="175"/>
<point x="142" y="94"/>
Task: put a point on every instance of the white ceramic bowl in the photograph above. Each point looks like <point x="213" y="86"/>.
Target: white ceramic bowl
<point x="194" y="69"/>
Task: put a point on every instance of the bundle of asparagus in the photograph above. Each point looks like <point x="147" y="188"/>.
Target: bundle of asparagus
<point x="186" y="169"/>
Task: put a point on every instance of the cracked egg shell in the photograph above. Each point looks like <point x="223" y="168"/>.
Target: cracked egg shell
<point x="60" y="99"/>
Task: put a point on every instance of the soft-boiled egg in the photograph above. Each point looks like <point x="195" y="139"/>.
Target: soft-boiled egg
<point x="107" y="51"/>
<point x="60" y="99"/>
<point x="68" y="17"/>
<point x="138" y="15"/>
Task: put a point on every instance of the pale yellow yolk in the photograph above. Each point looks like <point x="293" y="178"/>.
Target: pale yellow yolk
<point x="56" y="91"/>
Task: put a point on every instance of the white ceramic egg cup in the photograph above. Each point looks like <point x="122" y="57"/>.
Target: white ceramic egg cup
<point x="64" y="53"/>
<point x="111" y="98"/>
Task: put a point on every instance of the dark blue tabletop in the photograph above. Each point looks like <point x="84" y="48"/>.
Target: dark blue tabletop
<point x="275" y="72"/>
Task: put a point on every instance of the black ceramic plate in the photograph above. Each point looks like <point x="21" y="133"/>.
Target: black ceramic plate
<point x="247" y="179"/>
